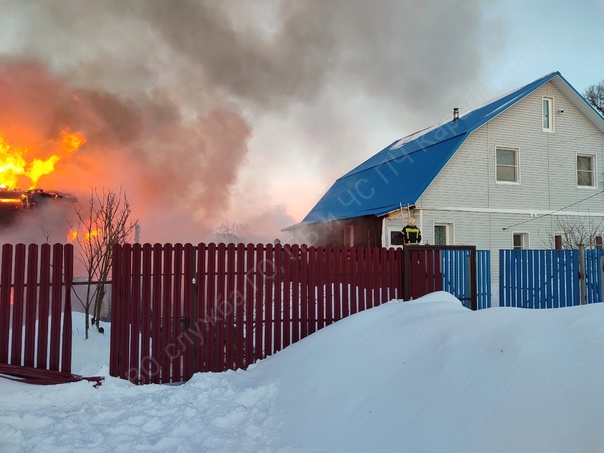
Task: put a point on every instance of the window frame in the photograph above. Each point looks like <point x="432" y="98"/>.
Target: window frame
<point x="389" y="232"/>
<point x="525" y="239"/>
<point x="448" y="228"/>
<point x="550" y="113"/>
<point x="594" y="166"/>
<point x="516" y="165"/>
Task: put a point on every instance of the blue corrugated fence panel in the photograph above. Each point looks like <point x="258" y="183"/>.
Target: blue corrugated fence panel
<point x="547" y="278"/>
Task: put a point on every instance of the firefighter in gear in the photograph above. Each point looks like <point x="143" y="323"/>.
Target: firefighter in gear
<point x="411" y="233"/>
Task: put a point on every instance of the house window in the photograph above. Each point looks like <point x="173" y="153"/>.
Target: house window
<point x="586" y="175"/>
<point x="558" y="241"/>
<point x="548" y="117"/>
<point x="441" y="234"/>
<point x="521" y="241"/>
<point x="598" y="242"/>
<point x="396" y="237"/>
<point x="507" y="165"/>
<point x="349" y="236"/>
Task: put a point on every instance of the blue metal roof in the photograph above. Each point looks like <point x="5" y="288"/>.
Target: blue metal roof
<point x="401" y="172"/>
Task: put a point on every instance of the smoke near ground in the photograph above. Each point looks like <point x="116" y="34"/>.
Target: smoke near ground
<point x="208" y="112"/>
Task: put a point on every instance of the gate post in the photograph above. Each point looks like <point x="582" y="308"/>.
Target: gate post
<point x="472" y="279"/>
<point x="582" y="283"/>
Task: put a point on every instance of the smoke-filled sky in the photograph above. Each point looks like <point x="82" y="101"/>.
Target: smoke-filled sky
<point x="231" y="112"/>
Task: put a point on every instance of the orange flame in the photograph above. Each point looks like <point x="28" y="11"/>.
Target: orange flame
<point x="88" y="235"/>
<point x="15" y="165"/>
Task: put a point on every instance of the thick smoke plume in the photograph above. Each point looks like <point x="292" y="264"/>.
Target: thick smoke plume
<point x="206" y="111"/>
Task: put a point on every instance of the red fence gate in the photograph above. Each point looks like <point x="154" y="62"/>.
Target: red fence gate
<point x="421" y="270"/>
<point x="179" y="309"/>
<point x="451" y="268"/>
<point x="35" y="306"/>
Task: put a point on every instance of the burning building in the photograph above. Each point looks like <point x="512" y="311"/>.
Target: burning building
<point x="22" y="166"/>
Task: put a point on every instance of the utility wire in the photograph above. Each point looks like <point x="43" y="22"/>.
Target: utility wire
<point x="553" y="212"/>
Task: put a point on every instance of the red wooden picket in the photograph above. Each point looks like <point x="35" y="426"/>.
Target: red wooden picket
<point x="259" y="320"/>
<point x="240" y="307"/>
<point x="321" y="289"/>
<point x="67" y="320"/>
<point x="116" y="313"/>
<point x="311" y="296"/>
<point x="168" y="323"/>
<point x="354" y="279"/>
<point x="287" y="299"/>
<point x="345" y="280"/>
<point x="381" y="278"/>
<point x="128" y="363"/>
<point x="202" y="310"/>
<point x="230" y="307"/>
<point x="178" y="325"/>
<point x="330" y="281"/>
<point x="210" y="302"/>
<point x="219" y="301"/>
<point x="268" y="301"/>
<point x="191" y="327"/>
<point x="250" y="265"/>
<point x="304" y="284"/>
<point x="18" y="303"/>
<point x="155" y="359"/>
<point x="146" y="314"/>
<point x="296" y="299"/>
<point x="31" y="305"/>
<point x="278" y="285"/>
<point x="135" y="305"/>
<point x="5" y="299"/>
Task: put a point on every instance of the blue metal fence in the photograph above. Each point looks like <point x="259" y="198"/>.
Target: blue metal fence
<point x="547" y="278"/>
<point x="456" y="275"/>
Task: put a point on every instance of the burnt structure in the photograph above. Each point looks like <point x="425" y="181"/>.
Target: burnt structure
<point x="13" y="202"/>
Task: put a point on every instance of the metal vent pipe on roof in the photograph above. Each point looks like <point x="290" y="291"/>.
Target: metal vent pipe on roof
<point x="455" y="114"/>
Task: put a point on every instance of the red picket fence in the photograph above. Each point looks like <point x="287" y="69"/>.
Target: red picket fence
<point x="179" y="309"/>
<point x="35" y="306"/>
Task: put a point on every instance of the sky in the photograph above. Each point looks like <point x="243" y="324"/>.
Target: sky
<point x="221" y="114"/>
<point x="421" y="376"/>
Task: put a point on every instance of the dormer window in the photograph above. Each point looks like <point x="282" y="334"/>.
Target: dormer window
<point x="548" y="114"/>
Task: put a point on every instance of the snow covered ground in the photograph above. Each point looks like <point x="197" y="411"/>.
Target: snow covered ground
<point x="421" y="376"/>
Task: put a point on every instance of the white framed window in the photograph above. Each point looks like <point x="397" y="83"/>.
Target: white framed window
<point x="442" y="234"/>
<point x="586" y="170"/>
<point x="394" y="237"/>
<point x="548" y="114"/>
<point x="507" y="165"/>
<point x="520" y="241"/>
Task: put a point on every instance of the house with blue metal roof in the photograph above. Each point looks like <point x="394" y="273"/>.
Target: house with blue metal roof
<point x="505" y="175"/>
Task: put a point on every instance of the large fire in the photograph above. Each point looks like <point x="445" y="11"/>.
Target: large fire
<point x="19" y="165"/>
<point x="21" y="168"/>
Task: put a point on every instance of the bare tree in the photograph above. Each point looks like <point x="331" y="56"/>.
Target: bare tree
<point x="572" y="231"/>
<point x="229" y="232"/>
<point x="595" y="95"/>
<point x="104" y="222"/>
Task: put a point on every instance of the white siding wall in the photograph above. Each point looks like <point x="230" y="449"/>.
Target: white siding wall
<point x="486" y="213"/>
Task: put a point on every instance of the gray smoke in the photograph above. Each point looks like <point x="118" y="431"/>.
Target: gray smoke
<point x="171" y="93"/>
